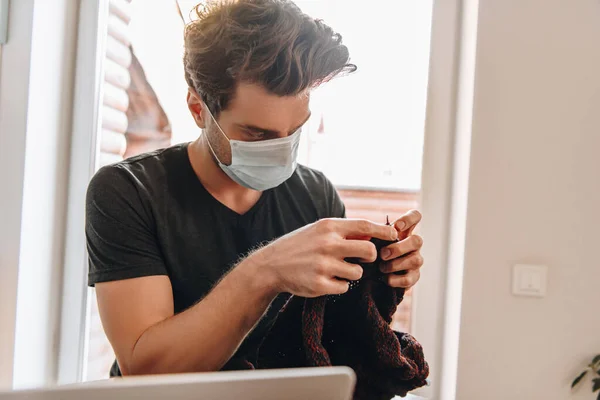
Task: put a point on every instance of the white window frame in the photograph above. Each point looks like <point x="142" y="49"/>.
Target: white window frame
<point x="93" y="16"/>
<point x="437" y="297"/>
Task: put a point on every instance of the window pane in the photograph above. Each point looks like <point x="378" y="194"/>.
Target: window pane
<point x="372" y="120"/>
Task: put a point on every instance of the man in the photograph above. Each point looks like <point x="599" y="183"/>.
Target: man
<point x="195" y="248"/>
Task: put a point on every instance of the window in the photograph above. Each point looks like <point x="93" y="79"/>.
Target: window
<point x="374" y="119"/>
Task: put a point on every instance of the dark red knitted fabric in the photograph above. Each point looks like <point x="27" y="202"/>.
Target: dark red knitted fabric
<point x="353" y="330"/>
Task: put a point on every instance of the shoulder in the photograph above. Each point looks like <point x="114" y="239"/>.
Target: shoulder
<point x="141" y="173"/>
<point x="130" y="190"/>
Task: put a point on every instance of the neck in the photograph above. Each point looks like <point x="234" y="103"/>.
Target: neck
<point x="216" y="182"/>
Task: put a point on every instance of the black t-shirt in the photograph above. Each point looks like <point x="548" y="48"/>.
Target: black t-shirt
<point x="150" y="215"/>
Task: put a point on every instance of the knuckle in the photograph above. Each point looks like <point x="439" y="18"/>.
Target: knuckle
<point x="325" y="225"/>
<point x="328" y="243"/>
<point x="364" y="226"/>
<point x="417" y="214"/>
<point x="357" y="273"/>
<point x="411" y="278"/>
<point x="322" y="285"/>
<point x="321" y="266"/>
<point x="403" y="281"/>
<point x="418" y="260"/>
<point x="392" y="280"/>
<point x="417" y="240"/>
<point x="317" y="286"/>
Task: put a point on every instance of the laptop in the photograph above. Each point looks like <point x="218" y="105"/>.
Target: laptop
<point x="325" y="383"/>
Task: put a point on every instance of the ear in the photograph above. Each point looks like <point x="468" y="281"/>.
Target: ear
<point x="196" y="106"/>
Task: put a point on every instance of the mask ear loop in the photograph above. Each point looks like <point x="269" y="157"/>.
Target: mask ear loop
<point x="220" y="130"/>
<point x="216" y="123"/>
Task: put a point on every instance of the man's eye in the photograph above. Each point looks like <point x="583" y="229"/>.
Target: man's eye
<point x="255" y="135"/>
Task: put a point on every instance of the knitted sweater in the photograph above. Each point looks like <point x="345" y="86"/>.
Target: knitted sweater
<point x="353" y="330"/>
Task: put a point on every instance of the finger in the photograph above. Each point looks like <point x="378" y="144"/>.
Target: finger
<point x="362" y="227"/>
<point x="345" y="270"/>
<point x="404" y="281"/>
<point x="395" y="250"/>
<point x="364" y="250"/>
<point x="336" y="286"/>
<point x="410" y="262"/>
<point x="408" y="221"/>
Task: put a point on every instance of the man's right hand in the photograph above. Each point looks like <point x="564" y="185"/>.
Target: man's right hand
<point x="309" y="262"/>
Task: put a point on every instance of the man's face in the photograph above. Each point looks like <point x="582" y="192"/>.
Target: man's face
<point x="252" y="115"/>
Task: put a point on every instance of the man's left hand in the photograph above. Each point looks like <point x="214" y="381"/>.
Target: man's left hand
<point x="404" y="255"/>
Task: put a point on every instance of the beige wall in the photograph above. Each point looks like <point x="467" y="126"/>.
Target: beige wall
<point x="534" y="197"/>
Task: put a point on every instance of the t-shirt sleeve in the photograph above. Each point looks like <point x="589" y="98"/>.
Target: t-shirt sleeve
<point x="120" y="230"/>
<point x="335" y="205"/>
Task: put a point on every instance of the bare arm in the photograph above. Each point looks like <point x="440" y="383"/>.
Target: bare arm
<point x="137" y="315"/>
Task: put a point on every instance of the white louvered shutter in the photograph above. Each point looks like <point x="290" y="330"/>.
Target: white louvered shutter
<point x="116" y="82"/>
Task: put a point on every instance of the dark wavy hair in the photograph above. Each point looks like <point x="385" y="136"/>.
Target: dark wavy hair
<point x="266" y="42"/>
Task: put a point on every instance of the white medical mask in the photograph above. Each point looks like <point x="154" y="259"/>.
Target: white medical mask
<point x="260" y="165"/>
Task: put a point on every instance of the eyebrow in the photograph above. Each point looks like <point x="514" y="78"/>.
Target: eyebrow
<point x="271" y="131"/>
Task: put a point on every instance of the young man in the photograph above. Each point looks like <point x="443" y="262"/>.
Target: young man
<point x="195" y="248"/>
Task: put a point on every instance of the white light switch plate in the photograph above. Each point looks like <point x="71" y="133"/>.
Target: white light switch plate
<point x="529" y="280"/>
